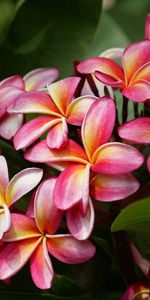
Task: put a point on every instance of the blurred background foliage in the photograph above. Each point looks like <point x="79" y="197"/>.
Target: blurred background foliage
<point x="40" y="33"/>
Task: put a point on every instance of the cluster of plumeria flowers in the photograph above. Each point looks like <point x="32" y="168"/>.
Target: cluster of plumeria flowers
<point x="83" y="142"/>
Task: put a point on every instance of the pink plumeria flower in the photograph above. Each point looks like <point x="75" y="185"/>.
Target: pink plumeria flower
<point x="79" y="226"/>
<point x="13" y="190"/>
<point x="137" y="131"/>
<point x="112" y="161"/>
<point x="137" y="291"/>
<point x="13" y="87"/>
<point x="32" y="239"/>
<point x="61" y="108"/>
<point x="133" y="77"/>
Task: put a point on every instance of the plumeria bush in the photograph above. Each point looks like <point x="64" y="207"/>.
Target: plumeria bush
<point x="75" y="212"/>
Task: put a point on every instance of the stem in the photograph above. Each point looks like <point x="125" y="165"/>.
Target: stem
<point x="92" y="85"/>
<point x="136" y="113"/>
<point x="147" y="109"/>
<point x="124" y="109"/>
<point x="123" y="250"/>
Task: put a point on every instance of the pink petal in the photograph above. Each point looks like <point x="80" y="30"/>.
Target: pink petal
<point x="41" y="268"/>
<point x="22" y="183"/>
<point x="134" y="57"/>
<point x="141" y="262"/>
<point x="5" y="220"/>
<point x="69" y="250"/>
<point x="112" y="53"/>
<point x="47" y="216"/>
<point x="116" y="158"/>
<point x="142" y="74"/>
<point x="102" y="64"/>
<point x="136" y="131"/>
<point x="10" y="125"/>
<point x="15" y="81"/>
<point x="108" y="80"/>
<point x="8" y="95"/>
<point x="148" y="163"/>
<point x="15" y="255"/>
<point x="34" y="102"/>
<point x="98" y="125"/>
<point x="57" y="135"/>
<point x="80" y="226"/>
<point x="138" y="92"/>
<point x="32" y="130"/>
<point x="40" y="78"/>
<point x="62" y="92"/>
<point x="147" y="27"/>
<point x="70" y="152"/>
<point x="22" y="227"/>
<point x="4" y="177"/>
<point x="113" y="187"/>
<point x="78" y="109"/>
<point x="72" y="186"/>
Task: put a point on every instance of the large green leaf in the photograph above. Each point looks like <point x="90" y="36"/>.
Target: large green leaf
<point x="135" y="217"/>
<point x="108" y="35"/>
<point x="49" y="33"/>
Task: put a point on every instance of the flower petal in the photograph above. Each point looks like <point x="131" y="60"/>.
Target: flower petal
<point x="22" y="183"/>
<point x="112" y="53"/>
<point x="8" y="95"/>
<point x="62" y="92"/>
<point x="70" y="152"/>
<point x="147" y="27"/>
<point x="5" y="220"/>
<point x="78" y="108"/>
<point x="15" y="255"/>
<point x="10" y="125"/>
<point x="48" y="217"/>
<point x="108" y="80"/>
<point x="134" y="57"/>
<point x="102" y="64"/>
<point x="4" y="177"/>
<point x="98" y="125"/>
<point x="72" y="186"/>
<point x="41" y="267"/>
<point x="139" y="92"/>
<point x="69" y="250"/>
<point x="15" y="81"/>
<point x="40" y="78"/>
<point x="34" y="102"/>
<point x="80" y="226"/>
<point x="57" y="135"/>
<point x="116" y="158"/>
<point x="136" y="131"/>
<point x="22" y="227"/>
<point x="113" y="187"/>
<point x="32" y="130"/>
<point x="141" y="262"/>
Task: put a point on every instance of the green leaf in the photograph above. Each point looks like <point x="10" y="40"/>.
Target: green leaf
<point x="65" y="286"/>
<point x="6" y="295"/>
<point x="108" y="35"/>
<point x="135" y="217"/>
<point x="130" y="16"/>
<point x="49" y="33"/>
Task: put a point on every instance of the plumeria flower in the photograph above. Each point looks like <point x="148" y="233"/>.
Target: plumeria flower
<point x="111" y="161"/>
<point x="60" y="107"/>
<point x="79" y="226"/>
<point x="13" y="190"/>
<point x="142" y="263"/>
<point x="137" y="131"/>
<point x="137" y="291"/>
<point x="13" y="87"/>
<point x="32" y="239"/>
<point x="133" y="77"/>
